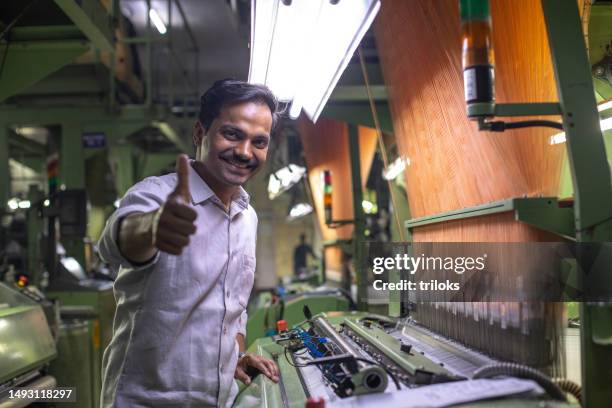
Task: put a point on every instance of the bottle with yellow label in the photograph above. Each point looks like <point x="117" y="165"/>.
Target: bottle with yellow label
<point x="477" y="52"/>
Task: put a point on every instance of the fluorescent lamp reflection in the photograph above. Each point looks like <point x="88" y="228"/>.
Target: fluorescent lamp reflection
<point x="396" y="168"/>
<point x="604" y="124"/>
<point x="24" y="204"/>
<point x="157" y="21"/>
<point x="117" y="203"/>
<point x="283" y="179"/>
<point x="46" y="203"/>
<point x="299" y="210"/>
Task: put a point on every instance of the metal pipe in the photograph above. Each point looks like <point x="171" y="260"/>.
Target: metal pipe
<point x="324" y="328"/>
<point x="168" y="47"/>
<point x="114" y="11"/>
<point x="358" y="216"/>
<point x="149" y="96"/>
<point x="368" y="377"/>
<point x="187" y="28"/>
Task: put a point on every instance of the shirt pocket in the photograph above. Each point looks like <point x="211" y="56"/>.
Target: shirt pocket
<point x="246" y="277"/>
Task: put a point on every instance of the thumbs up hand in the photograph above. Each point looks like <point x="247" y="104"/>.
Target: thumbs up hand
<point x="174" y="221"/>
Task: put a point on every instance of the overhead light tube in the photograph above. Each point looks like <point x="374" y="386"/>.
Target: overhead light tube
<point x="157" y="21"/>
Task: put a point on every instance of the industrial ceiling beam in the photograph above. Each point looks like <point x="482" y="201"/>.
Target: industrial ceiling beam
<point x="91" y="18"/>
<point x="26" y="63"/>
<point x="359" y="113"/>
<point x="358" y="93"/>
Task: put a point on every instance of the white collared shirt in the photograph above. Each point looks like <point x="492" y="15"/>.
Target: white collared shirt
<point x="174" y="335"/>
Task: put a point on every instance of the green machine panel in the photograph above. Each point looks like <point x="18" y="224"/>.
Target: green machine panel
<point x="268" y="308"/>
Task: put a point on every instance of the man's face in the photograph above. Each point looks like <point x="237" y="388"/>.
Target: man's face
<point x="236" y="145"/>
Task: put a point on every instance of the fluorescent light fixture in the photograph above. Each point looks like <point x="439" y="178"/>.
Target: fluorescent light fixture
<point x="604" y="106"/>
<point x="300" y="48"/>
<point x="368" y="206"/>
<point x="283" y="179"/>
<point x="604" y="124"/>
<point x="27" y="130"/>
<point x="299" y="210"/>
<point x="295" y="110"/>
<point x="13" y="203"/>
<point x="46" y="203"/>
<point x="396" y="168"/>
<point x="157" y="21"/>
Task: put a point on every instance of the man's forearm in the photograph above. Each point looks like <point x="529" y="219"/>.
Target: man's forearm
<point x="241" y="343"/>
<point x="135" y="237"/>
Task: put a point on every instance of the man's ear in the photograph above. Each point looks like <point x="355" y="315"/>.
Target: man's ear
<point x="198" y="134"/>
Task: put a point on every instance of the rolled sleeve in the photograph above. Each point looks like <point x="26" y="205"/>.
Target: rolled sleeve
<point x="146" y="196"/>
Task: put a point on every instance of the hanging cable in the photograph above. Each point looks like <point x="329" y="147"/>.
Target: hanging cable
<point x="569" y="386"/>
<point x="9" y="27"/>
<point x="499" y="126"/>
<point x="381" y="144"/>
<point x="521" y="371"/>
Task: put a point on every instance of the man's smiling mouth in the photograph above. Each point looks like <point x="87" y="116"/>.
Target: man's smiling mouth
<point x="241" y="166"/>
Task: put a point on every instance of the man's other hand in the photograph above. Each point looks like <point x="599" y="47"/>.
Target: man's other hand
<point x="174" y="221"/>
<point x="263" y="365"/>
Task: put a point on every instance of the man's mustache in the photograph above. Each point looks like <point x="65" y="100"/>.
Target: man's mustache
<point x="231" y="156"/>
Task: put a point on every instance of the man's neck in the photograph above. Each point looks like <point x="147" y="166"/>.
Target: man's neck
<point x="223" y="191"/>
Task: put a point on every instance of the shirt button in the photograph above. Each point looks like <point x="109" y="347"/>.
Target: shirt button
<point x="228" y="294"/>
<point x="225" y="330"/>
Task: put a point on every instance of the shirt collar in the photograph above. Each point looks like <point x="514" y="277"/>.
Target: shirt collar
<point x="200" y="191"/>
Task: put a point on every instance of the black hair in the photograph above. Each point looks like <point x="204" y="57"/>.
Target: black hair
<point x="229" y="92"/>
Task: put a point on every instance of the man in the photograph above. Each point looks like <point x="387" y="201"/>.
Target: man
<point x="185" y="247"/>
<point x="300" y="255"/>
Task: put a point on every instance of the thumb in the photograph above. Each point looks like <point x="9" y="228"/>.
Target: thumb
<point x="182" y="172"/>
<point x="242" y="375"/>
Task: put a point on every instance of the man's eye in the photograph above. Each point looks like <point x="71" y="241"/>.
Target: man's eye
<point x="230" y="134"/>
<point x="260" y="143"/>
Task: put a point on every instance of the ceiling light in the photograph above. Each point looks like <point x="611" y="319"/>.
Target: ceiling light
<point x="300" y="48"/>
<point x="604" y="106"/>
<point x="283" y="179"/>
<point x="24" y="204"/>
<point x="299" y="210"/>
<point x="157" y="21"/>
<point x="396" y="168"/>
<point x="604" y="124"/>
<point x="13" y="203"/>
<point x="368" y="207"/>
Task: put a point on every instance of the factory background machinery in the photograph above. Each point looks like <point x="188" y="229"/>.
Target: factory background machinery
<point x="98" y="94"/>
